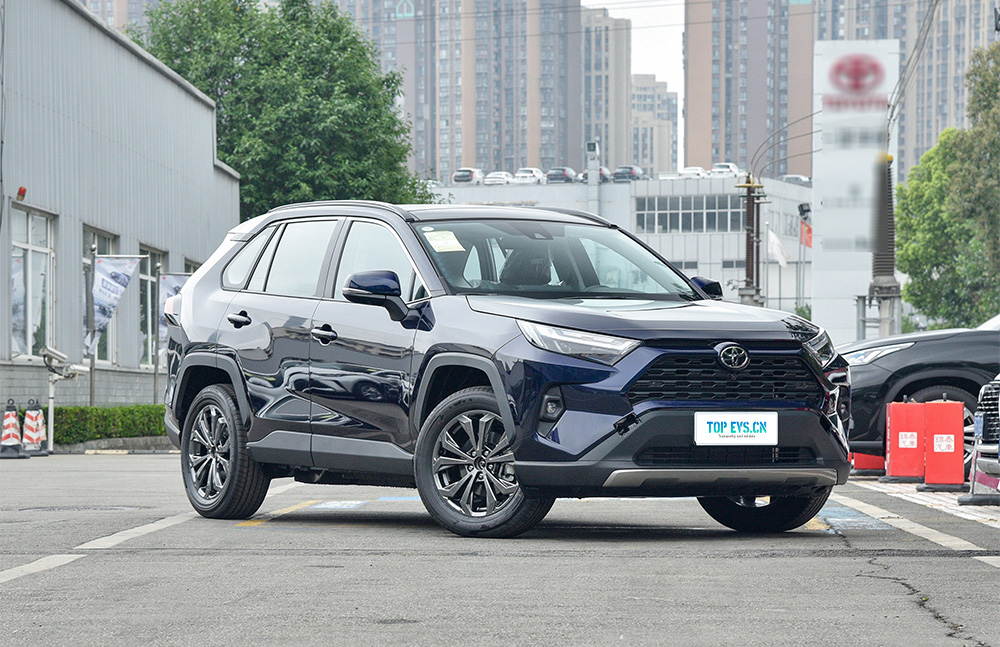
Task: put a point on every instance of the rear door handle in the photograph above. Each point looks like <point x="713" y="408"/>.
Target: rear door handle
<point x="239" y="320"/>
<point x="324" y="334"/>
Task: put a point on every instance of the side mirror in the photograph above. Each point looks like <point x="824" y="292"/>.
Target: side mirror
<point x="377" y="288"/>
<point x="712" y="288"/>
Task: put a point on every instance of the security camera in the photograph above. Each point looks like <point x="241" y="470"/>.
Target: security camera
<point x="593" y="150"/>
<point x="51" y="354"/>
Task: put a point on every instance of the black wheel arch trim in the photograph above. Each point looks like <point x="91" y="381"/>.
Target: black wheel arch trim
<point x="936" y="374"/>
<point x="216" y="361"/>
<point x="445" y="359"/>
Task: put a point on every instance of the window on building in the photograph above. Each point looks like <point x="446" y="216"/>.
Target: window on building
<point x="106" y="244"/>
<point x="149" y="303"/>
<point x="31" y="285"/>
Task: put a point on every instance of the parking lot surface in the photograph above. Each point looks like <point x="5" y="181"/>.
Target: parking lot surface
<point x="105" y="550"/>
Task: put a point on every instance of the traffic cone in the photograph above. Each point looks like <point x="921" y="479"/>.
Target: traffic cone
<point x="34" y="430"/>
<point x="10" y="442"/>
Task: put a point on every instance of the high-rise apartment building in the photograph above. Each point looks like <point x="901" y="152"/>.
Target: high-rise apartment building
<point x="935" y="98"/>
<point x="607" y="92"/>
<point x="654" y="125"/>
<point x="404" y="33"/>
<point x="748" y="84"/>
<point x="119" y="13"/>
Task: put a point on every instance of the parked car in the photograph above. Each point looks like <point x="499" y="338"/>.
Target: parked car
<point x="605" y="175"/>
<point x="629" y="173"/>
<point x="919" y="367"/>
<point x="797" y="179"/>
<point x="468" y="175"/>
<point x="499" y="177"/>
<point x="692" y="171"/>
<point x="529" y="175"/>
<point x="495" y="358"/>
<point x="724" y="169"/>
<point x="987" y="424"/>
<point x="560" y="174"/>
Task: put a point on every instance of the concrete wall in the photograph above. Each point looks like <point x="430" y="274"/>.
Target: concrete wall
<point x="102" y="136"/>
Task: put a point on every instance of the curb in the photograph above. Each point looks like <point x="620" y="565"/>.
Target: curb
<point x="138" y="445"/>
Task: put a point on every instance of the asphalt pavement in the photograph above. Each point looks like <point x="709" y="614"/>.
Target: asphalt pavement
<point x="104" y="550"/>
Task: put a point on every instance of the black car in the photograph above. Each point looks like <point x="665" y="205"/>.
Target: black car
<point x="629" y="174"/>
<point x="495" y="359"/>
<point x="987" y="425"/>
<point x="920" y="367"/>
<point x="560" y="174"/>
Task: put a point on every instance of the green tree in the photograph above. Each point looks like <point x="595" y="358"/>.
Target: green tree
<point x="936" y="240"/>
<point x="304" y="112"/>
<point x="947" y="220"/>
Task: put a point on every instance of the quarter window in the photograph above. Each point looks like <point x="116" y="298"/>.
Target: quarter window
<point x="239" y="268"/>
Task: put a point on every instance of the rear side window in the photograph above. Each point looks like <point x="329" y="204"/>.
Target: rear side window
<point x="298" y="259"/>
<point x="235" y="274"/>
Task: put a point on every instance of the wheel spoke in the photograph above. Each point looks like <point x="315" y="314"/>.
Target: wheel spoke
<point x="447" y="442"/>
<point x="223" y="467"/>
<point x="484" y="425"/>
<point x="213" y="473"/>
<point x="502" y="458"/>
<point x="444" y="462"/>
<point x="491" y="497"/>
<point x="466" y="423"/>
<point x="504" y="487"/>
<point x="501" y="446"/>
<point x="200" y="471"/>
<point x="199" y="432"/>
<point x="466" y="499"/>
<point x="451" y="489"/>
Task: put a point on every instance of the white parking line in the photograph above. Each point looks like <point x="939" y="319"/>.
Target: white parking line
<point x="138" y="531"/>
<point x="992" y="560"/>
<point x="912" y="527"/>
<point x="37" y="566"/>
<point x="944" y="501"/>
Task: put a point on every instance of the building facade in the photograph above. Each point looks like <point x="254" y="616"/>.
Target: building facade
<point x="935" y="98"/>
<point x="748" y="84"/>
<point x="654" y="125"/>
<point x="102" y="145"/>
<point x="607" y="89"/>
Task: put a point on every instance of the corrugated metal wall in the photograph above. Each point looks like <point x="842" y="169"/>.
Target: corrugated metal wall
<point x="101" y="135"/>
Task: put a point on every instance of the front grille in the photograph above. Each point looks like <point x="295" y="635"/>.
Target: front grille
<point x="700" y="378"/>
<point x="724" y="456"/>
<point x="988" y="405"/>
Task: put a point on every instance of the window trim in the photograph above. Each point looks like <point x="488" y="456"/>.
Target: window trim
<point x="331" y="282"/>
<point x="50" y="291"/>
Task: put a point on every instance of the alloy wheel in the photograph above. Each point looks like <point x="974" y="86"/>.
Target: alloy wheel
<point x="210" y="452"/>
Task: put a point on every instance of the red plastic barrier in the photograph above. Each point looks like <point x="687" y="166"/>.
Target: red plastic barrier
<point x="904" y="449"/>
<point x="943" y="439"/>
<point x="868" y="462"/>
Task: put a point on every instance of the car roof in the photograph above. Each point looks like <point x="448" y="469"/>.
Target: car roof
<point x="412" y="213"/>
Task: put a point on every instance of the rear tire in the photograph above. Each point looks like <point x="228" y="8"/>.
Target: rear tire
<point x="752" y="514"/>
<point x="464" y="470"/>
<point x="221" y="480"/>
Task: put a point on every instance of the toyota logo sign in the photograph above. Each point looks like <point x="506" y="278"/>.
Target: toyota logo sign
<point x="733" y="357"/>
<point x="857" y="73"/>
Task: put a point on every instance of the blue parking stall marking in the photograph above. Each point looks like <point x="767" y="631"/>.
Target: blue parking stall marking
<point x="399" y="498"/>
<point x="840" y="517"/>
<point x="337" y="505"/>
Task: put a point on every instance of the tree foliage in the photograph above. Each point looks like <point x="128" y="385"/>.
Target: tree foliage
<point x="948" y="227"/>
<point x="304" y="111"/>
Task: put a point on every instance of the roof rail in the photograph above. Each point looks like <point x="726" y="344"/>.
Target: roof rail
<point x="385" y="206"/>
<point x="586" y="215"/>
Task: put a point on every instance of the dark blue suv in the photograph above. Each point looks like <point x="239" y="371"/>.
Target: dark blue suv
<point x="496" y="359"/>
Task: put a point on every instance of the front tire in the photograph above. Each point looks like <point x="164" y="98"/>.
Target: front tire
<point x="759" y="515"/>
<point x="464" y="470"/>
<point x="221" y="480"/>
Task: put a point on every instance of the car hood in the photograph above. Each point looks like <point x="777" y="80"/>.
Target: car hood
<point x="929" y="335"/>
<point x="648" y="319"/>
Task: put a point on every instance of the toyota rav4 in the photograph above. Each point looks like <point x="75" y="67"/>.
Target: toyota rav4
<point x="495" y="359"/>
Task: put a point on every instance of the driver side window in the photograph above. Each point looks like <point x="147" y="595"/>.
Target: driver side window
<point x="371" y="247"/>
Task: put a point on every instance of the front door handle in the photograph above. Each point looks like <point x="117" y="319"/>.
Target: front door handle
<point x="324" y="334"/>
<point x="239" y="320"/>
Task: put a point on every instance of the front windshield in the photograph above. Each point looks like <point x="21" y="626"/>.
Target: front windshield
<point x="548" y="260"/>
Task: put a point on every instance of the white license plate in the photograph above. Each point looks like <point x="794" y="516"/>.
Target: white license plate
<point x="736" y="428"/>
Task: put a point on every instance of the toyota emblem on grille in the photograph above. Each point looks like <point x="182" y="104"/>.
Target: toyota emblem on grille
<point x="733" y="357"/>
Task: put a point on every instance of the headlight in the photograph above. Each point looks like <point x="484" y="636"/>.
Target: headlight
<point x="600" y="348"/>
<point x="869" y="355"/>
<point x="821" y="348"/>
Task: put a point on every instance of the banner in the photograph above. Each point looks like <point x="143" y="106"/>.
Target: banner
<point x="805" y="234"/>
<point x="111" y="276"/>
<point x="170" y="285"/>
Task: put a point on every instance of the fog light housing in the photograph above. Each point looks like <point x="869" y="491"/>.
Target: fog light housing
<point x="552" y="405"/>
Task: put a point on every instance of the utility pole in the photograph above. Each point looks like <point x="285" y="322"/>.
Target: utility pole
<point x="750" y="292"/>
<point x="884" y="290"/>
<point x="90" y="314"/>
